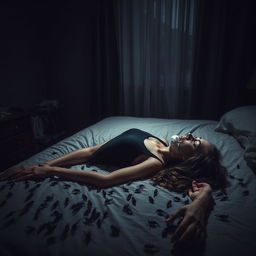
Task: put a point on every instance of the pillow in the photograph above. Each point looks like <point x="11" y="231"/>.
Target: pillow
<point x="250" y="153"/>
<point x="239" y="121"/>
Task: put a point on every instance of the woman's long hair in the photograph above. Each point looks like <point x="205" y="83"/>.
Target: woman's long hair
<point x="178" y="176"/>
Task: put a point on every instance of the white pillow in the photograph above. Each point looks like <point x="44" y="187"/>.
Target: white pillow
<point x="250" y="153"/>
<point x="239" y="121"/>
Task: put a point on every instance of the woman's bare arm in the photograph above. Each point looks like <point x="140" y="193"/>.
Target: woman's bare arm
<point x="144" y="169"/>
<point x="87" y="177"/>
<point x="75" y="157"/>
<point x="120" y="176"/>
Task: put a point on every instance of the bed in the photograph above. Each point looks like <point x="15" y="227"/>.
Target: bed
<point x="61" y="217"/>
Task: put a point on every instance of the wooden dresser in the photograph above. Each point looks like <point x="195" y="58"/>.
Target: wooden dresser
<point x="16" y="139"/>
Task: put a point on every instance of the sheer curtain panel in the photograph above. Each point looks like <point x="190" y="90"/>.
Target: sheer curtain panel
<point x="156" y="51"/>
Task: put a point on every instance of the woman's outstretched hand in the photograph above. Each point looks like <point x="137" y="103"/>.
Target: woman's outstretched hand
<point x="24" y="172"/>
<point x="191" y="230"/>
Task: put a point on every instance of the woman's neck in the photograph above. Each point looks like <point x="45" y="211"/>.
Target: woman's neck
<point x="168" y="153"/>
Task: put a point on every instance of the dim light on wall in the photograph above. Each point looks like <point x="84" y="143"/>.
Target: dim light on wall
<point x="252" y="82"/>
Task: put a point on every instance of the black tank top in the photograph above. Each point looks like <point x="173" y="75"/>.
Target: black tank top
<point x="123" y="149"/>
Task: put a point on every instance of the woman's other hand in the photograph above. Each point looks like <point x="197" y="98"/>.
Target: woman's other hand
<point x="24" y="172"/>
<point x="191" y="230"/>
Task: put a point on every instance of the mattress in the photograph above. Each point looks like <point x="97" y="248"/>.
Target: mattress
<point x="61" y="217"/>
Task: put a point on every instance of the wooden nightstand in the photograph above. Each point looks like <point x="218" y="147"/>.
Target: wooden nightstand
<point x="16" y="139"/>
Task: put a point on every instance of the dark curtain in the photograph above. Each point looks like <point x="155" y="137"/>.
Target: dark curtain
<point x="104" y="89"/>
<point x="224" y="58"/>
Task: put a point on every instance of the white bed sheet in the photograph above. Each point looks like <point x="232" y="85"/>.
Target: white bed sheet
<point x="35" y="217"/>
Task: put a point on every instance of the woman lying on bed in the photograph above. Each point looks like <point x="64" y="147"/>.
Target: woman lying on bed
<point x="186" y="163"/>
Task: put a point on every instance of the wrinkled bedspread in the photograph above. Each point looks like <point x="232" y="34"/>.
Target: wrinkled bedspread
<point x="61" y="217"/>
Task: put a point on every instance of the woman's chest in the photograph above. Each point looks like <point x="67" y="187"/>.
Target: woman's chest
<point x="152" y="146"/>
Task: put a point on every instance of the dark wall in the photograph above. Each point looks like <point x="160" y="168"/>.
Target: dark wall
<point x="70" y="61"/>
<point x="46" y="53"/>
<point x="23" y="55"/>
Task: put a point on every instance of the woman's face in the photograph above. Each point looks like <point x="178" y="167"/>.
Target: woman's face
<point x="189" y="145"/>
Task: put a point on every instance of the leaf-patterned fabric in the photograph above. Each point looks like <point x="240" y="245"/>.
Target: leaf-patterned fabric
<point x="61" y="217"/>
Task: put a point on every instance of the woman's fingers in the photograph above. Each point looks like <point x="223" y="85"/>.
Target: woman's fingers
<point x="198" y="234"/>
<point x="198" y="237"/>
<point x="5" y="172"/>
<point x="194" y="186"/>
<point x="14" y="172"/>
<point x="174" y="215"/>
<point x="181" y="229"/>
<point x="27" y="171"/>
<point x="20" y="174"/>
<point x="190" y="192"/>
<point x="22" y="178"/>
<point x="202" y="185"/>
<point x="185" y="236"/>
<point x="8" y="175"/>
<point x="199" y="184"/>
<point x="201" y="236"/>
